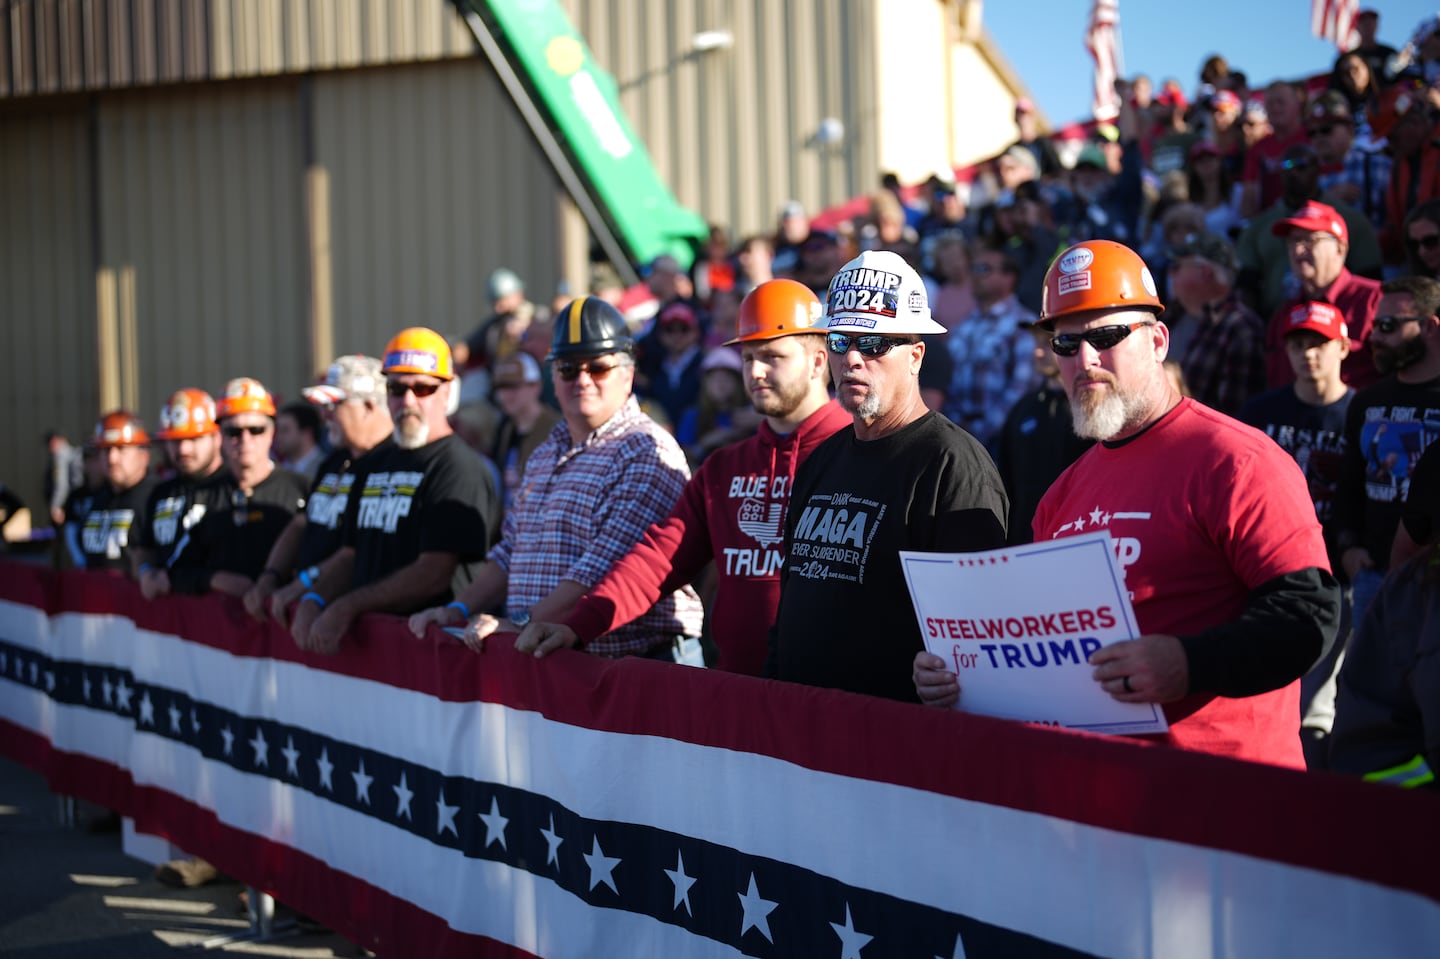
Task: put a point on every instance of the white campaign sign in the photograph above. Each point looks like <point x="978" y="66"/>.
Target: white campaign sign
<point x="1017" y="625"/>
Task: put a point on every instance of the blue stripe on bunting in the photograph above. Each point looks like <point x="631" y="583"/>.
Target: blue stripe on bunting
<point x="761" y="906"/>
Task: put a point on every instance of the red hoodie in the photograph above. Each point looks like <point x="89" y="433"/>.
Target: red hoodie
<point x="732" y="512"/>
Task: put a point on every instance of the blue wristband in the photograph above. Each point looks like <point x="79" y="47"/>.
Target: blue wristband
<point x="315" y="598"/>
<point x="145" y="568"/>
<point x="307" y="577"/>
<point x="464" y="610"/>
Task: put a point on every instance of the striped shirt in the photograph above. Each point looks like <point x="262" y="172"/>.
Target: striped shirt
<point x="582" y="507"/>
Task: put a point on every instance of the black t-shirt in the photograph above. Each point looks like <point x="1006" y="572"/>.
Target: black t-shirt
<point x="77" y="507"/>
<point x="845" y="619"/>
<point x="429" y="500"/>
<point x="176" y="505"/>
<point x="1313" y="435"/>
<point x="1036" y="444"/>
<point x="325" y="506"/>
<point x="1387" y="427"/>
<point x="237" y="536"/>
<point x="1421" y="515"/>
<point x="106" y="530"/>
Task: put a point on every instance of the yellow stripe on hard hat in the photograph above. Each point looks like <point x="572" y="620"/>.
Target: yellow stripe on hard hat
<point x="575" y="309"/>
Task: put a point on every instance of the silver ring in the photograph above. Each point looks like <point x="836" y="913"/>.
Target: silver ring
<point x="1126" y="682"/>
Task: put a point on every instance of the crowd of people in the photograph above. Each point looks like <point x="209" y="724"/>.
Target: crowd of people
<point x="1212" y="327"/>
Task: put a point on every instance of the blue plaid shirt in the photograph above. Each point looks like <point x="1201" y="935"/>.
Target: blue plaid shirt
<point x="1371" y="173"/>
<point x="993" y="368"/>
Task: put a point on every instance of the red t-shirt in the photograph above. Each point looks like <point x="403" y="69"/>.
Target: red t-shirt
<point x="1203" y="510"/>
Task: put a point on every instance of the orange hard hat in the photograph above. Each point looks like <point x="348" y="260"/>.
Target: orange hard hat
<point x="120" y="428"/>
<point x="187" y="414"/>
<point x="778" y="308"/>
<point x="418" y="350"/>
<point x="244" y="395"/>
<point x="1097" y="275"/>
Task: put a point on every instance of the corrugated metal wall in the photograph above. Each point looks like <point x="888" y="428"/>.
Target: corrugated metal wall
<point x="433" y="182"/>
<point x="54" y="46"/>
<point x="732" y="130"/>
<point x="48" y="367"/>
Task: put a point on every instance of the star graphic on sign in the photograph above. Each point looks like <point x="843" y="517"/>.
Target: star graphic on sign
<point x="107" y="689"/>
<point x="261" y="747"/>
<point x="194" y="721"/>
<point x="403" y="795"/>
<point x="445" y="816"/>
<point x="147" y="710"/>
<point x="49" y="681"/>
<point x="1107" y="518"/>
<point x="959" y="952"/>
<point x="1080" y="523"/>
<point x="1095" y="516"/>
<point x="362" y="784"/>
<point x="601" y="866"/>
<point x="756" y="911"/>
<point x="851" y="942"/>
<point x="174" y="712"/>
<point x="292" y="757"/>
<point x="552" y="843"/>
<point x="122" y="695"/>
<point x="229" y="738"/>
<point x="85" y="685"/>
<point x="682" y="883"/>
<point x="326" y="768"/>
<point x="495" y="825"/>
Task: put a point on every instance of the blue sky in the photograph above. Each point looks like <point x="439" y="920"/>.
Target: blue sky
<point x="1162" y="38"/>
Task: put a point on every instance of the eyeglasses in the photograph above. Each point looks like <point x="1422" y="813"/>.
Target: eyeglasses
<point x="1323" y="131"/>
<point x="676" y="328"/>
<point x="872" y="345"/>
<point x="234" y="432"/>
<point x="421" y="390"/>
<point x="1428" y="242"/>
<point x="1306" y="241"/>
<point x="1389" y="324"/>
<point x="1101" y="338"/>
<point x="570" y="371"/>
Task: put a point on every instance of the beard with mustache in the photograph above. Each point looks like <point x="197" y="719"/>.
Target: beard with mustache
<point x="1391" y="359"/>
<point x="1103" y="414"/>
<point x="411" y="430"/>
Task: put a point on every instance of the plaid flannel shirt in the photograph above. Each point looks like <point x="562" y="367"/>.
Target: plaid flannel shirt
<point x="1371" y="173"/>
<point x="582" y="507"/>
<point x="1224" y="363"/>
<point x="993" y="368"/>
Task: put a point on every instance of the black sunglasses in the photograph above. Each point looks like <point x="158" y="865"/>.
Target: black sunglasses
<point x="1102" y="338"/>
<point x="1428" y="242"/>
<point x="421" y="390"/>
<point x="873" y="345"/>
<point x="1323" y="131"/>
<point x="233" y="432"/>
<point x="570" y="370"/>
<point x="1389" y="324"/>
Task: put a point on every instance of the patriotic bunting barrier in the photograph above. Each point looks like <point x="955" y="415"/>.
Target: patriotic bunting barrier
<point x="426" y="801"/>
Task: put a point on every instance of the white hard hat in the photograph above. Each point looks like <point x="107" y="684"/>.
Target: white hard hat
<point x="878" y="292"/>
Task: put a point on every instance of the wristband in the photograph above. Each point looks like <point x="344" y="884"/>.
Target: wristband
<point x="146" y="567"/>
<point x="308" y="576"/>
<point x="464" y="610"/>
<point x="315" y="598"/>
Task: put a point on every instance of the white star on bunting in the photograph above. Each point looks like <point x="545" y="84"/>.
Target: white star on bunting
<point x="229" y="738"/>
<point x="682" y="883"/>
<point x="851" y="942"/>
<point x="147" y="710"/>
<point x="756" y="911"/>
<point x="602" y="867"/>
<point x="326" y="768"/>
<point x="552" y="843"/>
<point x="403" y="795"/>
<point x="261" y="747"/>
<point x="495" y="825"/>
<point x="362" y="783"/>
<point x="292" y="757"/>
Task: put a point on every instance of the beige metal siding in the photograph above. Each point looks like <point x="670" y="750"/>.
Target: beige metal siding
<point x="50" y="46"/>
<point x="731" y="130"/>
<point x="202" y="233"/>
<point x="48" y="372"/>
<point x="433" y="183"/>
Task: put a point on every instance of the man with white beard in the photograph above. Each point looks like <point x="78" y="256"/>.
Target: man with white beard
<point x="414" y="525"/>
<point x="1211" y="521"/>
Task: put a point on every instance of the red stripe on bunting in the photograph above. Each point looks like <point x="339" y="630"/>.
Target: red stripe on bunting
<point x="359" y="911"/>
<point x="1111" y="783"/>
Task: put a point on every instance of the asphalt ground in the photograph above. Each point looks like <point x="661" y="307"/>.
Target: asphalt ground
<point x="72" y="893"/>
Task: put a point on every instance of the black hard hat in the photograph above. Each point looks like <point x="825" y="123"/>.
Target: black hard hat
<point x="589" y="327"/>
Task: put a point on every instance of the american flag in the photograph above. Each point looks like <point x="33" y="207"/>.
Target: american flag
<point x="1334" y="20"/>
<point x="1102" y="39"/>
